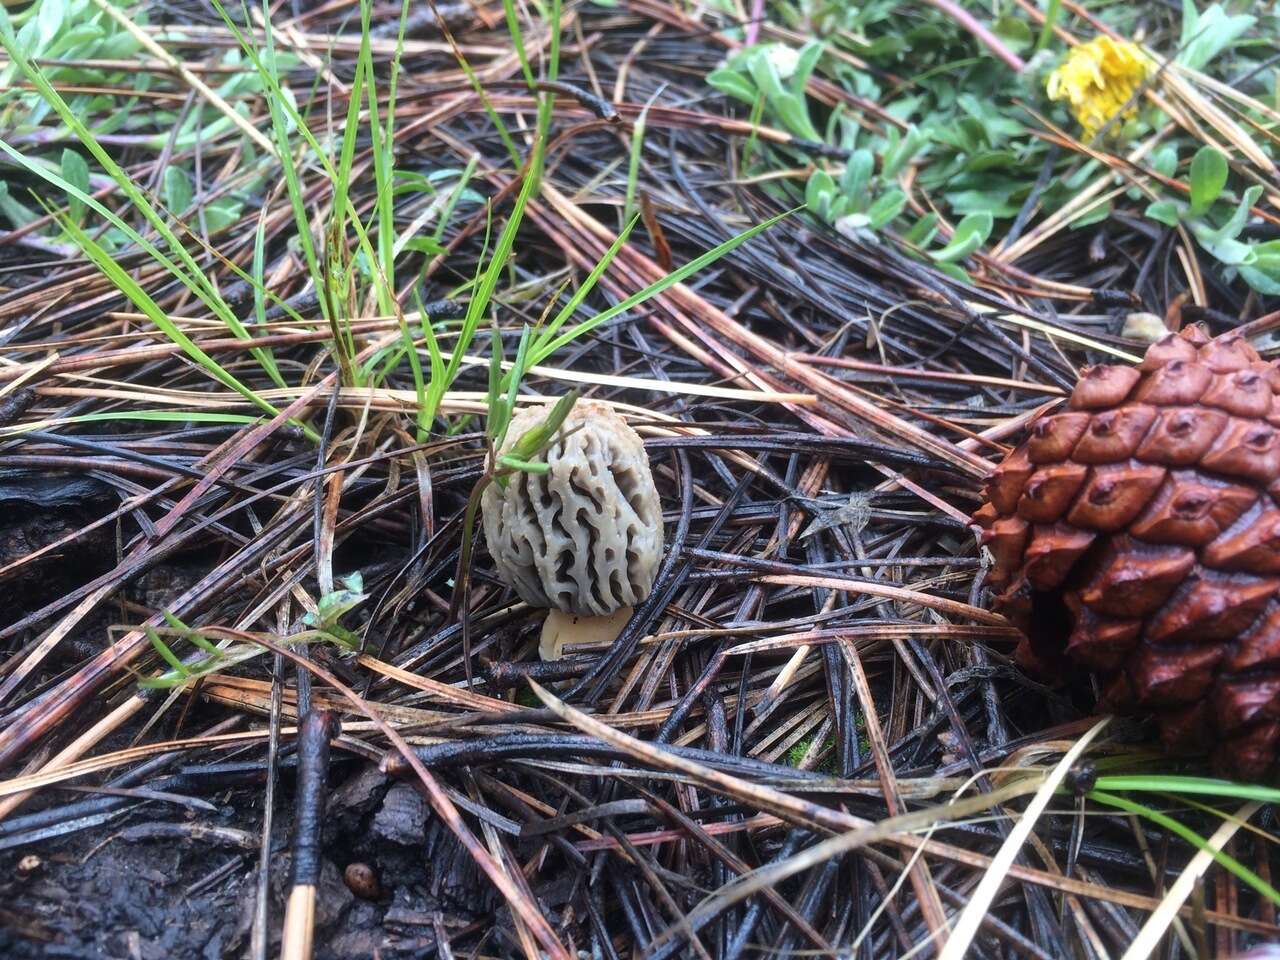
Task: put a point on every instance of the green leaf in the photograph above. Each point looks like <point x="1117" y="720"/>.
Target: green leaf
<point x="76" y="172"/>
<point x="166" y="653"/>
<point x="955" y="272"/>
<point x="808" y="58"/>
<point x="1095" y="214"/>
<point x="177" y="189"/>
<point x="1264" y="273"/>
<point x="1165" y="160"/>
<point x="995" y="201"/>
<point x="424" y="245"/>
<point x="1172" y="783"/>
<point x="1165" y="211"/>
<point x="1239" y="217"/>
<point x="542" y="349"/>
<point x="517" y="41"/>
<point x="795" y="116"/>
<point x="126" y="284"/>
<point x="49" y="18"/>
<point x="765" y="73"/>
<point x="496" y="356"/>
<point x="185" y="269"/>
<point x="1227" y="250"/>
<point x="970" y="234"/>
<point x="958" y="136"/>
<point x="922" y="231"/>
<point x="1208" y="177"/>
<point x="886" y="207"/>
<point x="1221" y="241"/>
<point x="222" y="213"/>
<point x="549" y="332"/>
<point x="1015" y="32"/>
<point x="732" y="83"/>
<point x="525" y="466"/>
<point x="819" y="192"/>
<point x="331" y="606"/>
<point x="17" y="213"/>
<point x="985" y="160"/>
<point x="191" y="635"/>
<point x="1224" y="859"/>
<point x="857" y="174"/>
<point x="993" y="124"/>
<point x="534" y="440"/>
<point x="896" y="157"/>
<point x="518" y="369"/>
<point x="1205" y="35"/>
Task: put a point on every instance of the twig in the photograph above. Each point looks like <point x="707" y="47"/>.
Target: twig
<point x="318" y="728"/>
<point x="984" y="36"/>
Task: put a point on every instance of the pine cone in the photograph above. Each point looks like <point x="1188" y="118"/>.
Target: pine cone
<point x="1136" y="533"/>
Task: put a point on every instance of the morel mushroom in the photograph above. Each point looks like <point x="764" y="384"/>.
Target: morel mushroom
<point x="583" y="538"/>
<point x="1136" y="533"/>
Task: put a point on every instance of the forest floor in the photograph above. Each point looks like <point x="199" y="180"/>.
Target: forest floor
<point x="245" y="388"/>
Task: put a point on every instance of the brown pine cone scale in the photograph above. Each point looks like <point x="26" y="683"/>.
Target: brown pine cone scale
<point x="1136" y="533"/>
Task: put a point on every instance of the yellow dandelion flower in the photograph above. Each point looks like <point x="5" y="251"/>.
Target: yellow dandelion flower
<point x="1099" y="78"/>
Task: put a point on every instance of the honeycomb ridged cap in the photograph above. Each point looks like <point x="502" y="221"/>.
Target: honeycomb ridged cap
<point x="585" y="537"/>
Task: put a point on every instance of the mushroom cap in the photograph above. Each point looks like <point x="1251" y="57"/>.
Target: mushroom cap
<point x="585" y="537"/>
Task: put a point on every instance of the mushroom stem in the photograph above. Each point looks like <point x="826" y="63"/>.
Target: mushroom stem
<point x="561" y="628"/>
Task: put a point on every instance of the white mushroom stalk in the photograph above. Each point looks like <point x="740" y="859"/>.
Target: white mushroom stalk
<point x="584" y="538"/>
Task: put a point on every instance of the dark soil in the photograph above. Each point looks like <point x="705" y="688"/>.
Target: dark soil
<point x="101" y="894"/>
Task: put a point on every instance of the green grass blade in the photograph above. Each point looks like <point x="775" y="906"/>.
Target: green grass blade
<point x="548" y="100"/>
<point x="633" y="163"/>
<point x="1156" y="783"/>
<point x="518" y="369"/>
<point x="454" y="196"/>
<point x="278" y="98"/>
<point x="125" y="283"/>
<point x="383" y="151"/>
<point x="1227" y="861"/>
<point x="192" y="276"/>
<point x="269" y="72"/>
<point x="548" y="333"/>
<point x="167" y="654"/>
<point x="187" y="633"/>
<point x="670" y="280"/>
<point x="264" y="354"/>
<point x="483" y="294"/>
<point x="429" y="403"/>
<point x="517" y="40"/>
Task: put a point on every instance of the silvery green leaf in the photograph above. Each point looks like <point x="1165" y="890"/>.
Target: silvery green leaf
<point x="1205" y="35"/>
<point x="1165" y="211"/>
<point x="1208" y="178"/>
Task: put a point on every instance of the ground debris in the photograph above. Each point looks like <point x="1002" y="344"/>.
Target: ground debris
<point x="402" y="818"/>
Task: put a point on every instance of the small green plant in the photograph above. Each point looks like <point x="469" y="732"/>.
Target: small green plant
<point x="70" y="37"/>
<point x="331" y="608"/>
<point x="522" y="457"/>
<point x="800" y="749"/>
<point x="964" y="134"/>
<point x="325" y="624"/>
<point x="778" y="74"/>
<point x="1217" y="223"/>
<point x="180" y="673"/>
<point x="861" y="200"/>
